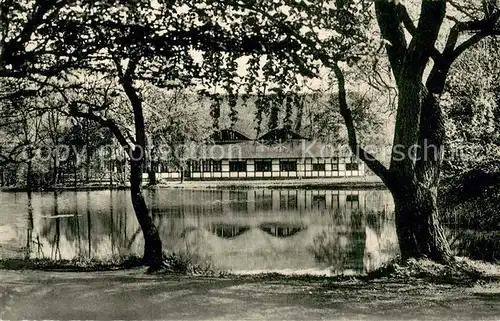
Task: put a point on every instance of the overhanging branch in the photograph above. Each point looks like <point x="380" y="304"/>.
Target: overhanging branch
<point x="104" y="122"/>
<point x="467" y="44"/>
<point x="370" y="160"/>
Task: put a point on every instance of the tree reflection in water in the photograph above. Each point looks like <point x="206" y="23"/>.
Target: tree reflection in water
<point x="69" y="234"/>
<point x="51" y="230"/>
<point x="33" y="244"/>
<point x="330" y="249"/>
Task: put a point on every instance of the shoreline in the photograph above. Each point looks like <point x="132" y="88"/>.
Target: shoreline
<point x="341" y="183"/>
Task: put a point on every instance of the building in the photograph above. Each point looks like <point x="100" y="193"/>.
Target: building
<point x="278" y="154"/>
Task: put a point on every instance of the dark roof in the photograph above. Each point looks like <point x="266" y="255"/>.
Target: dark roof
<point x="280" y="135"/>
<point x="256" y="150"/>
<point x="229" y="135"/>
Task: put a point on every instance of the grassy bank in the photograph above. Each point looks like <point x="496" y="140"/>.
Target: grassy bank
<point x="309" y="183"/>
<point x="75" y="265"/>
<point x="462" y="271"/>
<point x="174" y="263"/>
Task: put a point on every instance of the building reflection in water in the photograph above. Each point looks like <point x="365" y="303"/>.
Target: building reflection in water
<point x="314" y="231"/>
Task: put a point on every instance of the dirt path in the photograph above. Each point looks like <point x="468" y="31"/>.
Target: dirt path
<point x="134" y="295"/>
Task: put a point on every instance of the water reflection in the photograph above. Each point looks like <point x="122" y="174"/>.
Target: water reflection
<point x="314" y="231"/>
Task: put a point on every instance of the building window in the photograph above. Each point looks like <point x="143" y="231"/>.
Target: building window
<point x="195" y="166"/>
<point x="335" y="164"/>
<point x="351" y="166"/>
<point x="263" y="166"/>
<point x="217" y="166"/>
<point x="288" y="166"/>
<point x="238" y="166"/>
<point x="318" y="167"/>
<point x="206" y="166"/>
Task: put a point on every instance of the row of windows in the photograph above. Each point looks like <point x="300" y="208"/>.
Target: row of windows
<point x="207" y="166"/>
<point x="261" y="166"/>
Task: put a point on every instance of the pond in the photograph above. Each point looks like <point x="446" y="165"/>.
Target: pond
<point x="243" y="231"/>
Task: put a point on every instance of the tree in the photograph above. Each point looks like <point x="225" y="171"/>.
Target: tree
<point x="39" y="40"/>
<point x="56" y="128"/>
<point x="86" y="139"/>
<point x="136" y="42"/>
<point x="150" y="42"/>
<point x="130" y="42"/>
<point x="285" y="43"/>
<point x="135" y="146"/>
<point x="143" y="42"/>
<point x="175" y="118"/>
<point x="21" y="128"/>
<point x="326" y="123"/>
<point x="414" y="180"/>
<point x="45" y="38"/>
<point x="414" y="172"/>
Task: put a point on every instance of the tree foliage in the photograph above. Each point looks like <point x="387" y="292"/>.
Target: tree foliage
<point x="472" y="105"/>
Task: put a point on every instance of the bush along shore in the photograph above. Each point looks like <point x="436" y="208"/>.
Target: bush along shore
<point x="462" y="271"/>
<point x="470" y="205"/>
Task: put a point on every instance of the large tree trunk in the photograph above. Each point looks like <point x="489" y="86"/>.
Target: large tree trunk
<point x="419" y="232"/>
<point x="419" y="122"/>
<point x="415" y="178"/>
<point x="153" y="255"/>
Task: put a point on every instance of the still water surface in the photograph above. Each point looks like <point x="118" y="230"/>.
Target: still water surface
<point x="243" y="231"/>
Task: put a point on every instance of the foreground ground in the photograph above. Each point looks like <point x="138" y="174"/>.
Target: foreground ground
<point x="132" y="294"/>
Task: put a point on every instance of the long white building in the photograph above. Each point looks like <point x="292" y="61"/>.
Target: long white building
<point x="278" y="154"/>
